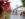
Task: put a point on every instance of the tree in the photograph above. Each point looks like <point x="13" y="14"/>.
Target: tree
<point x="23" y="3"/>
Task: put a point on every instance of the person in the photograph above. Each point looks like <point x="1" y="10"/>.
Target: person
<point x="1" y="9"/>
<point x="24" y="12"/>
<point x="8" y="3"/>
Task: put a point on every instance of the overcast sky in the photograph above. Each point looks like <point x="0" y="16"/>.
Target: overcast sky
<point x="14" y="3"/>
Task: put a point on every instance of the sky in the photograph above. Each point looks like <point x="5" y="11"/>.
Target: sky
<point x="13" y="3"/>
